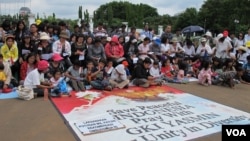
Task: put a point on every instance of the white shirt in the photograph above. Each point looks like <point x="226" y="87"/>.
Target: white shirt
<point x="221" y="49"/>
<point x="165" y="47"/>
<point x="33" y="79"/>
<point x="177" y="48"/>
<point x="189" y="51"/>
<point x="119" y="76"/>
<point x="247" y="38"/>
<point x="243" y="57"/>
<point x="202" y="53"/>
<point x="155" y="72"/>
<point x="57" y="48"/>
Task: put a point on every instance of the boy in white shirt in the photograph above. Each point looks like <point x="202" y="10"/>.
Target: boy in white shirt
<point x="155" y="71"/>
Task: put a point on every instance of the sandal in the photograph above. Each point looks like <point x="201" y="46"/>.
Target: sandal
<point x="108" y="88"/>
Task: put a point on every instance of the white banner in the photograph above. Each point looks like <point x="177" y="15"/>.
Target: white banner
<point x="175" y="117"/>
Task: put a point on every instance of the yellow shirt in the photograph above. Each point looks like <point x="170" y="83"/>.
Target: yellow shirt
<point x="2" y="76"/>
<point x="9" y="54"/>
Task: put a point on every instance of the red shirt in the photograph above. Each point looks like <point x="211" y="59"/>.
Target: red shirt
<point x="166" y="71"/>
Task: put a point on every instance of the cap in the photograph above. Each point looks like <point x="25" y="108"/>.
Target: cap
<point x="157" y="41"/>
<point x="57" y="57"/>
<point x="208" y="33"/>
<point x="125" y="63"/>
<point x="120" y="69"/>
<point x="43" y="65"/>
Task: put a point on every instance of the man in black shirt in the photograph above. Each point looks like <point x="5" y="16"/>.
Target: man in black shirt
<point x="141" y="74"/>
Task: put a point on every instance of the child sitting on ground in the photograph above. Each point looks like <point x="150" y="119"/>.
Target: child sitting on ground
<point x="156" y="72"/>
<point x="100" y="81"/>
<point x="205" y="74"/>
<point x="88" y="71"/>
<point x="167" y="70"/>
<point x="60" y="86"/>
<point x="109" y="68"/>
<point x="181" y="77"/>
<point x="75" y="74"/>
<point x="196" y="65"/>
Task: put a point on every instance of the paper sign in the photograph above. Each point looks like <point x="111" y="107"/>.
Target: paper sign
<point x="25" y="51"/>
<point x="81" y="57"/>
<point x="102" y="123"/>
<point x="150" y="53"/>
<point x="135" y="60"/>
<point x="65" y="54"/>
<point x="46" y="56"/>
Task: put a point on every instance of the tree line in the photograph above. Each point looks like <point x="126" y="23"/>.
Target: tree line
<point x="214" y="15"/>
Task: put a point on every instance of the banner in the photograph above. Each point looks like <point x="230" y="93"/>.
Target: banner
<point x="154" y="115"/>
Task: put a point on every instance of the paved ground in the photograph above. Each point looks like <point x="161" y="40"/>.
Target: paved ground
<point x="38" y="120"/>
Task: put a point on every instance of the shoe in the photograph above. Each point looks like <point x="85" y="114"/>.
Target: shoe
<point x="159" y="84"/>
<point x="126" y="87"/>
<point x="7" y="90"/>
<point x="108" y="88"/>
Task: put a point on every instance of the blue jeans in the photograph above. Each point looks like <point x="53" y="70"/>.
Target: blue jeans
<point x="99" y="84"/>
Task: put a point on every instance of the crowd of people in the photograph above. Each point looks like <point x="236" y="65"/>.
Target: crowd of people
<point x="48" y="57"/>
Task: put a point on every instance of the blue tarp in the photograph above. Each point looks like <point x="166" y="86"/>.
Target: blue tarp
<point x="8" y="95"/>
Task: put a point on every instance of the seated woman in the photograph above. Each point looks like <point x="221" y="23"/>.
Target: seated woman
<point x="131" y="51"/>
<point x="63" y="47"/>
<point x="242" y="55"/>
<point x="10" y="53"/>
<point x="175" y="48"/>
<point x="25" y="48"/>
<point x="27" y="66"/>
<point x="114" y="50"/>
<point x="143" y="48"/>
<point x="44" y="48"/>
<point x="78" y="49"/>
<point x="36" y="81"/>
<point x="96" y="51"/>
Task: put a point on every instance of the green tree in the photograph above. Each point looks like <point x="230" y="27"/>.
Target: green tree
<point x="80" y="12"/>
<point x="86" y="16"/>
<point x="134" y="14"/>
<point x="110" y="15"/>
<point x="186" y="18"/>
<point x="54" y="16"/>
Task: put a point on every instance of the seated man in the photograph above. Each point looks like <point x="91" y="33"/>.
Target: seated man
<point x="119" y="77"/>
<point x="35" y="79"/>
<point x="142" y="76"/>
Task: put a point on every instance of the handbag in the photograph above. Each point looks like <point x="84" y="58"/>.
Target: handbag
<point x="25" y="93"/>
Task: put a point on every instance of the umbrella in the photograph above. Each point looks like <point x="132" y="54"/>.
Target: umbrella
<point x="192" y="28"/>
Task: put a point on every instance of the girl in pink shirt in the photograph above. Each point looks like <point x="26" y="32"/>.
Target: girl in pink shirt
<point x="205" y="74"/>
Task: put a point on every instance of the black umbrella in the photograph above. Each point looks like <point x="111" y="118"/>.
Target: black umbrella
<point x="192" y="28"/>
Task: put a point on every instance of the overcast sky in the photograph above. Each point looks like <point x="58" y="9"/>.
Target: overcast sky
<point x="69" y="8"/>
